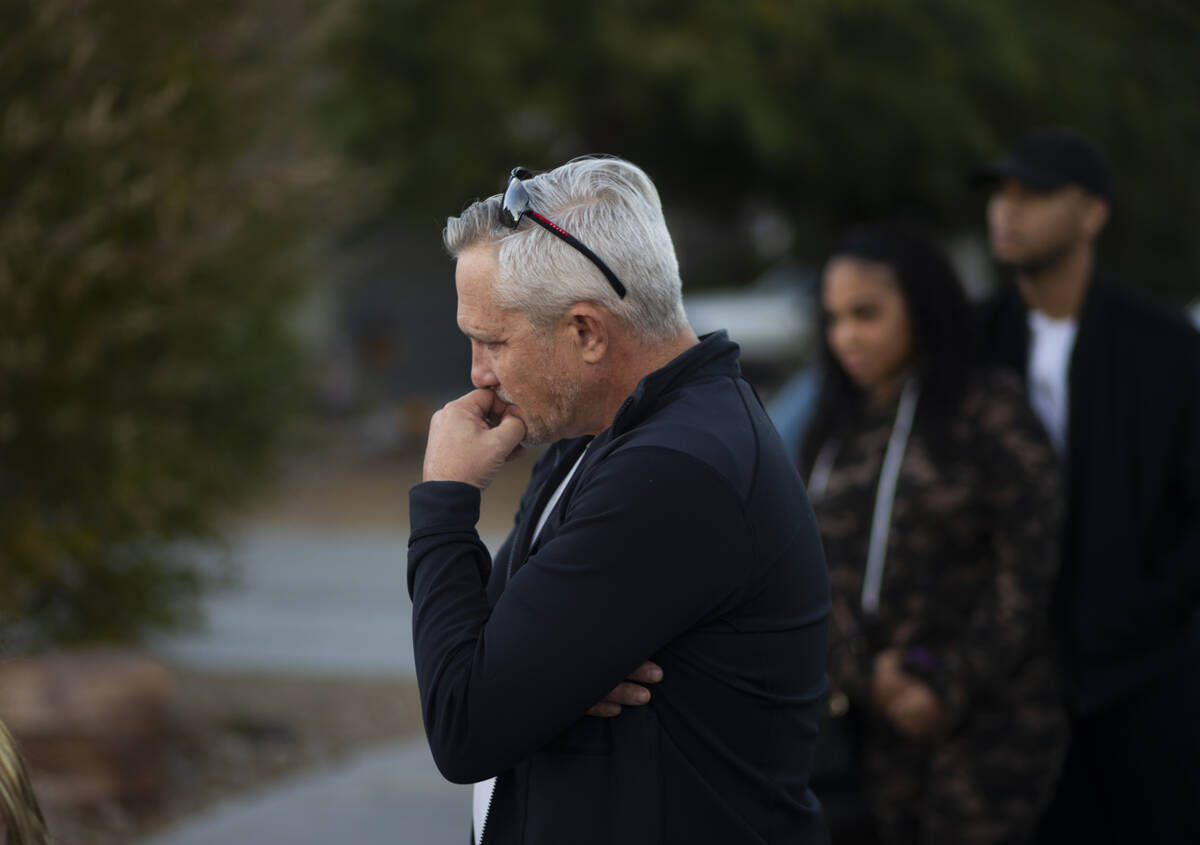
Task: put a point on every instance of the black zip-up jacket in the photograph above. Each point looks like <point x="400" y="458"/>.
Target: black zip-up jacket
<point x="685" y="537"/>
<point x="1127" y="605"/>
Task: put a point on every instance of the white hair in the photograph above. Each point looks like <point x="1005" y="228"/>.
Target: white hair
<point x="611" y="206"/>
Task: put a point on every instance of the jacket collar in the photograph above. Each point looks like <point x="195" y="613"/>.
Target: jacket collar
<point x="1010" y="338"/>
<point x="1094" y="296"/>
<point x="1096" y="299"/>
<point x="714" y="355"/>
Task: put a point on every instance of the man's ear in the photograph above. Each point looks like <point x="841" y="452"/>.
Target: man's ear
<point x="588" y="326"/>
<point x="1095" y="216"/>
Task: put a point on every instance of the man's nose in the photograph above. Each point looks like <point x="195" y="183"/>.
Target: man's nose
<point x="481" y="371"/>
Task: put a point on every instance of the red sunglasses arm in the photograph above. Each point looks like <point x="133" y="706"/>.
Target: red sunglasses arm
<point x="555" y="229"/>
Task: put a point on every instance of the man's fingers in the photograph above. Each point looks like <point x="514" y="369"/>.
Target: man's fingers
<point x="476" y="405"/>
<point x="482" y="400"/>
<point x="483" y="404"/>
<point x="628" y="693"/>
<point x="647" y="673"/>
<point x="605" y="710"/>
<point x="623" y="694"/>
<point x="470" y="439"/>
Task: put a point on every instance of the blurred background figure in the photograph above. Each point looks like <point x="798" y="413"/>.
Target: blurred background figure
<point x="938" y="499"/>
<point x="1115" y="378"/>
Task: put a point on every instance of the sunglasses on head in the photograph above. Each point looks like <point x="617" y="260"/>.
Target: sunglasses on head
<point x="515" y="205"/>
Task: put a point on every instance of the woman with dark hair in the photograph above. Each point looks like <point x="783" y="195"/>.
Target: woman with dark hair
<point x="939" y="501"/>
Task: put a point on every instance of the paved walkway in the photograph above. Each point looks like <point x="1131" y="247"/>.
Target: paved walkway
<point x="328" y="603"/>
<point x="383" y="797"/>
<point x="324" y="602"/>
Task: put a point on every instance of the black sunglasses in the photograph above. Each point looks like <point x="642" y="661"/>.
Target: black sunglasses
<point x="515" y="205"/>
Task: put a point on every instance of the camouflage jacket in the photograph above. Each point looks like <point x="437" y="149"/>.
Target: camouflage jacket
<point x="971" y="558"/>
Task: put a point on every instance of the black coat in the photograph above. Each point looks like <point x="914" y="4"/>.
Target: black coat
<point x="684" y="537"/>
<point x="1127" y="605"/>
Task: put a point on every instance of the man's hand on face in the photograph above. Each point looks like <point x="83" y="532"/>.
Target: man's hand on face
<point x="471" y="438"/>
<point x="628" y="693"/>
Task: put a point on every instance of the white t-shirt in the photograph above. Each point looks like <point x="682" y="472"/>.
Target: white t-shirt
<point x="1051" y="344"/>
<point x="482" y="793"/>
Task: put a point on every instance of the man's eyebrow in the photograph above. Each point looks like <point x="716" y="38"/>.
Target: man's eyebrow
<point x="485" y="337"/>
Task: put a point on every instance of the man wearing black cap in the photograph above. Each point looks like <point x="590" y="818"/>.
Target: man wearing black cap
<point x="1115" y="379"/>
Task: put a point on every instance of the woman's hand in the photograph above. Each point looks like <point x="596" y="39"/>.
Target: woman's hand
<point x="916" y="711"/>
<point x="887" y="678"/>
<point x="907" y="702"/>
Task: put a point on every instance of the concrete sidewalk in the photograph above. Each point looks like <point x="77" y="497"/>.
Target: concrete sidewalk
<point x="327" y="603"/>
<point x="382" y="797"/>
<point x="308" y="602"/>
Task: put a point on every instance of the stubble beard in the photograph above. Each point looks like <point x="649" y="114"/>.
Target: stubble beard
<point x="547" y="428"/>
<point x="1036" y="265"/>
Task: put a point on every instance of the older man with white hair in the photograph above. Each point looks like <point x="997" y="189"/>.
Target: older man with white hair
<point x="643" y="660"/>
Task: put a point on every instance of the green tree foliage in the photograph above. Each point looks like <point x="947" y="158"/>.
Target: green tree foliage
<point x="829" y="110"/>
<point x="150" y="198"/>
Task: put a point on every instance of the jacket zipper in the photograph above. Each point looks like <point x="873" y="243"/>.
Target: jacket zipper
<point x="488" y="812"/>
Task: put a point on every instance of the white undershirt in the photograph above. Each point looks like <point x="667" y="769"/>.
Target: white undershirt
<point x="482" y="793"/>
<point x="1051" y="343"/>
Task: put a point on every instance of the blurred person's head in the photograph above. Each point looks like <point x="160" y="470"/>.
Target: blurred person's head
<point x="891" y="307"/>
<point x="555" y="331"/>
<point x="867" y="326"/>
<point x="1050" y="199"/>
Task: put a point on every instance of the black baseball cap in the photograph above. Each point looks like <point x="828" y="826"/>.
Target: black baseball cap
<point x="1049" y="158"/>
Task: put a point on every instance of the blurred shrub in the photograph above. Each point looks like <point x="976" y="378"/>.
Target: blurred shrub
<point x="829" y="111"/>
<point x="152" y="196"/>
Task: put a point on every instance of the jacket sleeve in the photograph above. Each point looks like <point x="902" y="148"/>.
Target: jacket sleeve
<point x="654" y="540"/>
<point x="1136" y="592"/>
<point x="1176" y="587"/>
<point x="1164" y="595"/>
<point x="1023" y="496"/>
